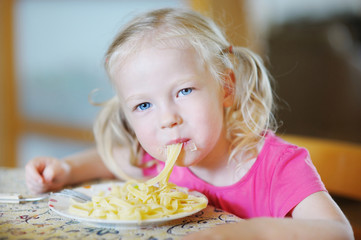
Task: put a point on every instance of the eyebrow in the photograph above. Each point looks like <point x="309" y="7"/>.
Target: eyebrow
<point x="135" y="97"/>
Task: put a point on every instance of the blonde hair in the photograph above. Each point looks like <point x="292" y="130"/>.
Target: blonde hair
<point x="246" y="121"/>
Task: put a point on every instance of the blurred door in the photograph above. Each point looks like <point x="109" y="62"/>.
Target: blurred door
<point x="8" y="114"/>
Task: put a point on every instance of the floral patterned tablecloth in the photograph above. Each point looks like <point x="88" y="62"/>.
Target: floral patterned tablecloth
<point x="34" y="220"/>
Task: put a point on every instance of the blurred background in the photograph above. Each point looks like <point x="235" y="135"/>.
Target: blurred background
<point x="52" y="59"/>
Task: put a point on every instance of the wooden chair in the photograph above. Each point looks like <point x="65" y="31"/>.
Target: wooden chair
<point x="339" y="165"/>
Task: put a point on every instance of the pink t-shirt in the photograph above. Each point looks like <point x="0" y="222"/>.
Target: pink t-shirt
<point x="281" y="177"/>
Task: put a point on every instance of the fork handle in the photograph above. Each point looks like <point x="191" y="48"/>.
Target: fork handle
<point x="9" y="198"/>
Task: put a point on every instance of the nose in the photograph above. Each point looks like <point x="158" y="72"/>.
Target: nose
<point x="170" y="118"/>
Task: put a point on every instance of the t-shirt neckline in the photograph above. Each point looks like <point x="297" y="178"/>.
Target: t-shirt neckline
<point x="243" y="179"/>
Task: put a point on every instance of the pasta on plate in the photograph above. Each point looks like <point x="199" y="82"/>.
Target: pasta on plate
<point x="153" y="199"/>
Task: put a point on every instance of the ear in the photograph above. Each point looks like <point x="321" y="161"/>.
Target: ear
<point x="228" y="88"/>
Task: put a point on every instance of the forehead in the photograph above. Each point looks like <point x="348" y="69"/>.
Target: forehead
<point x="156" y="38"/>
<point x="157" y="60"/>
<point x="156" y="69"/>
<point x="165" y="58"/>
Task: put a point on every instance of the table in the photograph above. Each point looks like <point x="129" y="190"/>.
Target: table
<point x="34" y="220"/>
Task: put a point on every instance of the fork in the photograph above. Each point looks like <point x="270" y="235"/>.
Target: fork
<point x="73" y="193"/>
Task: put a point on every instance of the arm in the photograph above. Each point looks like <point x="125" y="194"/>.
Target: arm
<point x="88" y="165"/>
<point x="316" y="217"/>
<point x="85" y="166"/>
<point x="50" y="174"/>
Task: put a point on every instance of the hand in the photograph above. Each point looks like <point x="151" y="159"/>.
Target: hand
<point x="44" y="174"/>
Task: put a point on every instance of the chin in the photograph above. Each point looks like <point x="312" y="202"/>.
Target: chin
<point x="185" y="159"/>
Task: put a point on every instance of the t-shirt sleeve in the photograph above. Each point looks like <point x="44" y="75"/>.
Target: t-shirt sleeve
<point x="294" y="178"/>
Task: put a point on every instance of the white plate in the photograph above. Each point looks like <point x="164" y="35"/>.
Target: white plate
<point x="60" y="204"/>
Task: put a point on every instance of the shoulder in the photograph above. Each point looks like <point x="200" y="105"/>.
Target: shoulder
<point x="280" y="150"/>
<point x="287" y="162"/>
<point x="291" y="174"/>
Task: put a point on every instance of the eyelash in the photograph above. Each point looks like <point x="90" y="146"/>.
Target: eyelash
<point x="138" y="107"/>
<point x="146" y="105"/>
<point x="185" y="89"/>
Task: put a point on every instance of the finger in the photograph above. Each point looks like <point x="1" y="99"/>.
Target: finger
<point x="34" y="185"/>
<point x="46" y="187"/>
<point x="32" y="174"/>
<point x="36" y="188"/>
<point x="49" y="174"/>
<point x="31" y="182"/>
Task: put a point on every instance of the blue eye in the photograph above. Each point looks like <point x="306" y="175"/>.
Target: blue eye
<point x="185" y="91"/>
<point x="144" y="106"/>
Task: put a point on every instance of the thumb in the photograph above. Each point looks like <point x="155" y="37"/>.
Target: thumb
<point x="48" y="174"/>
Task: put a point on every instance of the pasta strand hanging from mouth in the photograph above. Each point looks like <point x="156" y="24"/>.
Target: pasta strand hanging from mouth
<point x="173" y="152"/>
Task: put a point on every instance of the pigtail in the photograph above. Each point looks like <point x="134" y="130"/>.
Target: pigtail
<point x="111" y="130"/>
<point x="251" y="114"/>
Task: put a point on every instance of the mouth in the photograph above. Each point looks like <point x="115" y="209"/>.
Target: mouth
<point x="188" y="144"/>
<point x="178" y="140"/>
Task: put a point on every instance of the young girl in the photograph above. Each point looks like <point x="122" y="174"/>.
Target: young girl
<point x="178" y="79"/>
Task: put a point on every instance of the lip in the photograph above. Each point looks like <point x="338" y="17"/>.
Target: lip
<point x="179" y="140"/>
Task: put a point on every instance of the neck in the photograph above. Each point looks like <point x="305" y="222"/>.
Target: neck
<point x="219" y="171"/>
<point x="215" y="166"/>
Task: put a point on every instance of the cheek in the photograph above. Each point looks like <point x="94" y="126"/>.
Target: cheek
<point x="212" y="126"/>
<point x="145" y="133"/>
<point x="209" y="112"/>
<point x="209" y="118"/>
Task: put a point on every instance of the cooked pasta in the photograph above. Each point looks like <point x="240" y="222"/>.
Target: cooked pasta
<point x="155" y="198"/>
